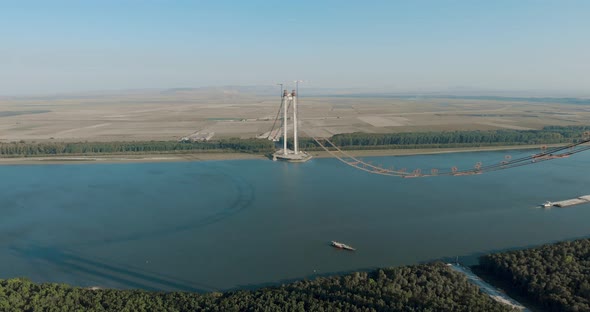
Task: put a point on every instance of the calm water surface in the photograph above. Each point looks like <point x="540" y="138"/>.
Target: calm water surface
<point x="217" y="225"/>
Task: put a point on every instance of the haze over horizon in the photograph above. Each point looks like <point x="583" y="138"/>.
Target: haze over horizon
<point x="418" y="46"/>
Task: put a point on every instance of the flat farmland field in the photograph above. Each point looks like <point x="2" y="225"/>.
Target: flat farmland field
<point x="172" y="114"/>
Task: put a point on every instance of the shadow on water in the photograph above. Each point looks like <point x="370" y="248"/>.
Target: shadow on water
<point x="469" y="260"/>
<point x="125" y="276"/>
<point x="299" y="279"/>
<point x="243" y="200"/>
<point x="134" y="278"/>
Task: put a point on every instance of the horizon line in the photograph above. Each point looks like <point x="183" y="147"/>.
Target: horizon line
<point x="451" y="91"/>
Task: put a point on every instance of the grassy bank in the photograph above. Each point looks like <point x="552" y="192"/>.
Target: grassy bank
<point x="231" y="155"/>
<point x="362" y="144"/>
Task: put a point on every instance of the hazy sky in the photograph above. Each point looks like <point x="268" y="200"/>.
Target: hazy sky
<point x="62" y="46"/>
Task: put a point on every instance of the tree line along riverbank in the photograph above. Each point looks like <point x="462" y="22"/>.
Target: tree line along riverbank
<point x="350" y="141"/>
<point x="428" y="287"/>
<point x="554" y="277"/>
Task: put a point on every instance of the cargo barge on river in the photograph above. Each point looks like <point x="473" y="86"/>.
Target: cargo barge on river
<point x="568" y="202"/>
<point x="341" y="246"/>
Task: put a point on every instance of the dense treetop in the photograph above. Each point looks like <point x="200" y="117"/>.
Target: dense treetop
<point x="556" y="276"/>
<point x="85" y="148"/>
<point x="431" y="287"/>
<point x="547" y="135"/>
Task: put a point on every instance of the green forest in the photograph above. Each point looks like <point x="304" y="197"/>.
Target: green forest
<point x="350" y="141"/>
<point x="89" y="148"/>
<point x="446" y="139"/>
<point x="429" y="287"/>
<point x="555" y="276"/>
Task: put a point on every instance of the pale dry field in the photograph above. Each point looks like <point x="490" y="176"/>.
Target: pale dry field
<point x="170" y="115"/>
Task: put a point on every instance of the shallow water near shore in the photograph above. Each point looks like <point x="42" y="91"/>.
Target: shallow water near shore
<point x="217" y="225"/>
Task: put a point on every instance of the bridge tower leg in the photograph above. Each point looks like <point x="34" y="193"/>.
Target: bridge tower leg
<point x="285" y="107"/>
<point x="295" y="139"/>
<point x="285" y="154"/>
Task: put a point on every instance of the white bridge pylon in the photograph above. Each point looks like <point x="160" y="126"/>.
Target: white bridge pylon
<point x="288" y="100"/>
<point x="479" y="168"/>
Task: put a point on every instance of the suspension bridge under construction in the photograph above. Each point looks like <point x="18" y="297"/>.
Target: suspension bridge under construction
<point x="507" y="163"/>
<point x="289" y="100"/>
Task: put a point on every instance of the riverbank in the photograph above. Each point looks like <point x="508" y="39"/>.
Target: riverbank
<point x="127" y="158"/>
<point x="494" y="293"/>
<point x="205" y="156"/>
<point x="425" y="287"/>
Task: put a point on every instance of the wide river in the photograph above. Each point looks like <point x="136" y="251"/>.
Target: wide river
<point x="218" y="225"/>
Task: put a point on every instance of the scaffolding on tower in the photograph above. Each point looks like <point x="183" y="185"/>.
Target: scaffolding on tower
<point x="289" y="100"/>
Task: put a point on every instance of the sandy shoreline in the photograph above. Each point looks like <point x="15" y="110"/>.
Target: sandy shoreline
<point x="129" y="158"/>
<point x="151" y="158"/>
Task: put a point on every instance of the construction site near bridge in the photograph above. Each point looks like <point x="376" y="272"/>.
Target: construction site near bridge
<point x="208" y="114"/>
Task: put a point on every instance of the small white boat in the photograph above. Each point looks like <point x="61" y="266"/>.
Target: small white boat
<point x="342" y="246"/>
<point x="547" y="204"/>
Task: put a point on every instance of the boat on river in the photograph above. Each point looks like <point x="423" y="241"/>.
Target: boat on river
<point x="342" y="246"/>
